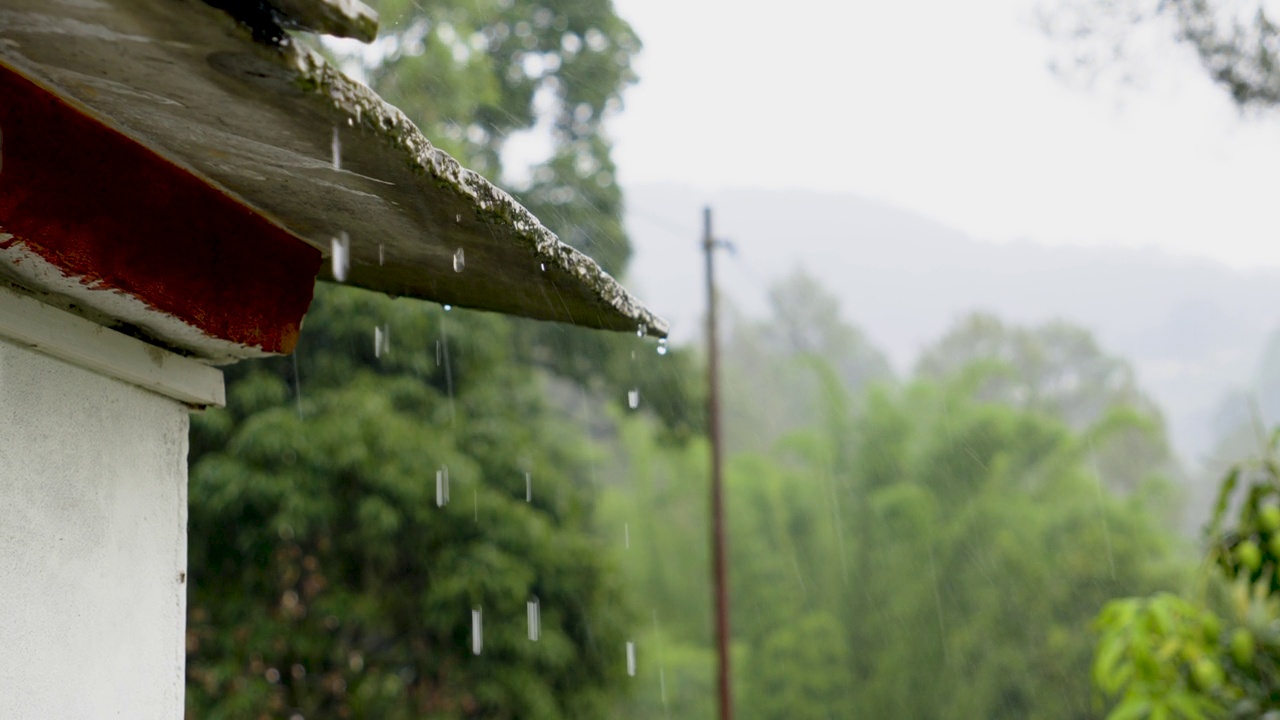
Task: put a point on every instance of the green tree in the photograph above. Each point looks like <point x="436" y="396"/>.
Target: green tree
<point x="804" y="323"/>
<point x="927" y="549"/>
<point x="654" y="505"/>
<point x="793" y="670"/>
<point x="469" y="73"/>
<point x="1213" y="652"/>
<point x="983" y="544"/>
<point x="331" y="577"/>
<point x="1058" y="369"/>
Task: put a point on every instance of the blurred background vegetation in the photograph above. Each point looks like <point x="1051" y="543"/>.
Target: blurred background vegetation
<point x="935" y="544"/>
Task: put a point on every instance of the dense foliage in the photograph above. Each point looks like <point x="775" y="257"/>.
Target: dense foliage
<point x="1213" y="652"/>
<point x="342" y="535"/>
<point x="916" y="550"/>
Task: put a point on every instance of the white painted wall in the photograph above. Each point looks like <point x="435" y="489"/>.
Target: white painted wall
<point x="93" y="543"/>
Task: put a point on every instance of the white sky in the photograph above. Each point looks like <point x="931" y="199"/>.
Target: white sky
<point x="945" y="108"/>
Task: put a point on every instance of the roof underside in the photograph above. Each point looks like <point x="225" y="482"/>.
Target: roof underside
<point x="261" y="123"/>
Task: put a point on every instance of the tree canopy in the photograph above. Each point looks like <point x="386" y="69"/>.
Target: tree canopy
<point x="1236" y="43"/>
<point x="922" y="548"/>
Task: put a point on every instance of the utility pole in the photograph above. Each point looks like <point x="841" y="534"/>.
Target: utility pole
<point x="719" y="564"/>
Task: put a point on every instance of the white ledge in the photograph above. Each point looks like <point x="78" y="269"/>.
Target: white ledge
<point x="28" y="322"/>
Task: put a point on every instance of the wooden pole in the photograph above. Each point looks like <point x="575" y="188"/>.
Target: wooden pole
<point x="719" y="563"/>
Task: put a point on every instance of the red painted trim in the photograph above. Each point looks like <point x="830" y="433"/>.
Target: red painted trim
<point x="114" y="215"/>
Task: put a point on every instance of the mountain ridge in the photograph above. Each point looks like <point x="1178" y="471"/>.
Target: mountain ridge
<point x="1194" y="328"/>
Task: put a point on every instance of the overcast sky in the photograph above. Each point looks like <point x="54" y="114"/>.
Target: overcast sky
<point x="947" y="109"/>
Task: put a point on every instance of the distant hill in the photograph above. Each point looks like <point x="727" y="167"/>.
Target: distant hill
<point x="1193" y="328"/>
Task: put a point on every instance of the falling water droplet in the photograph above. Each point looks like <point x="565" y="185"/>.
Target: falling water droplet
<point x="457" y="218"/>
<point x="459" y="260"/>
<point x="662" y="346"/>
<point x="442" y="486"/>
<point x="477" y="631"/>
<point x="381" y="340"/>
<point x="297" y="385"/>
<point x="340" y="256"/>
<point x="528" y="488"/>
<point x="351" y="122"/>
<point x="535" y="619"/>
<point x="357" y="113"/>
<point x="544" y="266"/>
<point x="631" y="658"/>
<point x="382" y="255"/>
<point x="626" y="535"/>
<point x="447" y="308"/>
<point x="337" y="149"/>
<point x="633" y="399"/>
<point x="640" y="330"/>
<point x="437" y="353"/>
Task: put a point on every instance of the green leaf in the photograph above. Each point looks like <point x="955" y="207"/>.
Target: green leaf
<point x="1131" y="709"/>
<point x="1220" y="505"/>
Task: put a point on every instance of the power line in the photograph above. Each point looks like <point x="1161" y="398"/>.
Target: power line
<point x="657" y="220"/>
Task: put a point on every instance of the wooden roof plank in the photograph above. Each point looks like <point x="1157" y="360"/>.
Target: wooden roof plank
<point x="262" y="122"/>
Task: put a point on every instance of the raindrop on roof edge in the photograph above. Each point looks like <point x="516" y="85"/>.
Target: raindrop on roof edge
<point x="662" y="346"/>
